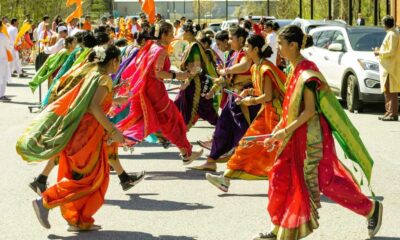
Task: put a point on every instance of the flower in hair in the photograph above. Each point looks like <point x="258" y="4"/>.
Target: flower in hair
<point x="264" y="47"/>
<point x="100" y="54"/>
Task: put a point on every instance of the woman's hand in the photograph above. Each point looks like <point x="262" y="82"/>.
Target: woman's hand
<point x="222" y="72"/>
<point x="182" y="76"/>
<point x="117" y="137"/>
<point x="247" y="101"/>
<point x="120" y="100"/>
<point x="209" y="95"/>
<point x="276" y="138"/>
<point x="184" y="85"/>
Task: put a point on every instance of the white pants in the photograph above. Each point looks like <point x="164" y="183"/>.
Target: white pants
<point x="5" y="77"/>
<point x="15" y="65"/>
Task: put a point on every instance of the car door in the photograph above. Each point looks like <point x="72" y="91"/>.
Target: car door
<point x="333" y="61"/>
<point x="321" y="50"/>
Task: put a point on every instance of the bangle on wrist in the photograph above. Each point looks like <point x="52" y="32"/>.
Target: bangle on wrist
<point x="285" y="131"/>
<point x="113" y="131"/>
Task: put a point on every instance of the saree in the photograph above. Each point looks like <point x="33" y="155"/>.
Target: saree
<point x="253" y="162"/>
<point x="235" y="119"/>
<point x="63" y="70"/>
<point x="50" y="66"/>
<point x="307" y="163"/>
<point x="150" y="108"/>
<point x="191" y="101"/>
<point x="83" y="173"/>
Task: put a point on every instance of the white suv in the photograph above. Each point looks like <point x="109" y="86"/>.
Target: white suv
<point x="345" y="57"/>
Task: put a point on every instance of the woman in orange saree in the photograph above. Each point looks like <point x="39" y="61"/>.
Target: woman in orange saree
<point x="76" y="129"/>
<point x="251" y="161"/>
<point x="307" y="164"/>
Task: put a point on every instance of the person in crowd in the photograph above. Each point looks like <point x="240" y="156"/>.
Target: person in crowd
<point x="5" y="74"/>
<point x="251" y="160"/>
<point x="389" y="59"/>
<point x="307" y="164"/>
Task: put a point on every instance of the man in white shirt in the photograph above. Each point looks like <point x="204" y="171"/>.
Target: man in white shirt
<point x="15" y="65"/>
<point x="5" y="74"/>
<point x="62" y="34"/>
<point x="272" y="41"/>
<point x="45" y="36"/>
<point x="72" y="27"/>
<point x="41" y="26"/>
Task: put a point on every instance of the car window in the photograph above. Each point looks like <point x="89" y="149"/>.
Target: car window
<point x="366" y="41"/>
<point x="325" y="39"/>
<point x="315" y="36"/>
<point x="338" y="37"/>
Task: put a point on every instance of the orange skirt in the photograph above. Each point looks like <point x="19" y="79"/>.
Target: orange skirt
<point x="83" y="175"/>
<point x="255" y="159"/>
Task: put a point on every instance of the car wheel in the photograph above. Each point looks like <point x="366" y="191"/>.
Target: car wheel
<point x="352" y="96"/>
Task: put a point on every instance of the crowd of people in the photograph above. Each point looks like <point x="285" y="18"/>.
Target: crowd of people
<point x="106" y="89"/>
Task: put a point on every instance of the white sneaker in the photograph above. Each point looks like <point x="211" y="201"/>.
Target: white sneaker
<point x="219" y="181"/>
<point x="195" y="155"/>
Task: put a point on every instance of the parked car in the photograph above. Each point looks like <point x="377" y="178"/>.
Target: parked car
<point x="345" y="57"/>
<point x="283" y="22"/>
<point x="229" y="23"/>
<point x="257" y="19"/>
<point x="307" y="25"/>
<point x="215" y="27"/>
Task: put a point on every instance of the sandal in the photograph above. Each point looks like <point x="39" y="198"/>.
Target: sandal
<point x="204" y="167"/>
<point x="390" y="118"/>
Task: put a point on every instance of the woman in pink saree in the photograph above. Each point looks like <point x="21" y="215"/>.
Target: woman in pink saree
<point x="150" y="108"/>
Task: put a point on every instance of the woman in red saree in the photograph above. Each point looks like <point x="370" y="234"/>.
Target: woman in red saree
<point x="150" y="108"/>
<point x="307" y="163"/>
<point x="251" y="161"/>
<point x="83" y="172"/>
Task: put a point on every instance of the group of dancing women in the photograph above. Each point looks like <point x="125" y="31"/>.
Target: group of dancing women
<point x="268" y="125"/>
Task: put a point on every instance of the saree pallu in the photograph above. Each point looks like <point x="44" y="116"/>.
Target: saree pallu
<point x="189" y="101"/>
<point x="63" y="70"/>
<point x="150" y="108"/>
<point x="307" y="163"/>
<point x="253" y="162"/>
<point x="52" y="64"/>
<point x="69" y="81"/>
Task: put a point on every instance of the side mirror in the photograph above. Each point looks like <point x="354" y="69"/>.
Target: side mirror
<point x="336" y="47"/>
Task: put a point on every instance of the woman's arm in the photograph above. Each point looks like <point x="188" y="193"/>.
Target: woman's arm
<point x="305" y="115"/>
<point x="241" y="67"/>
<point x="161" y="74"/>
<point x="97" y="111"/>
<point x="263" y="98"/>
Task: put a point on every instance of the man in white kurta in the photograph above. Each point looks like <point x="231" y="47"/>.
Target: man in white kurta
<point x="389" y="69"/>
<point x="5" y="74"/>
<point x="15" y="65"/>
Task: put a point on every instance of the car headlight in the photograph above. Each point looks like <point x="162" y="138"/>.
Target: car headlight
<point x="368" y="65"/>
<point x="372" y="83"/>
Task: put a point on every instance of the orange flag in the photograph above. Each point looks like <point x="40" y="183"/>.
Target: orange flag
<point x="78" y="11"/>
<point x="149" y="7"/>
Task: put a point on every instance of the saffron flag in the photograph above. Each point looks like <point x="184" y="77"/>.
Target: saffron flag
<point x="25" y="28"/>
<point x="78" y="11"/>
<point x="149" y="7"/>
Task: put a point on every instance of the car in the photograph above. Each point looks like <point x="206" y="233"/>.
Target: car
<point x="257" y="19"/>
<point x="283" y="22"/>
<point x="345" y="57"/>
<point x="229" y="23"/>
<point x="307" y="25"/>
<point x="215" y="27"/>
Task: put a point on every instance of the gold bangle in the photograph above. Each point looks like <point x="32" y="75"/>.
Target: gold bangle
<point x="113" y="131"/>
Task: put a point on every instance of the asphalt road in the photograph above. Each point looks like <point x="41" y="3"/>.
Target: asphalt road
<point x="175" y="204"/>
